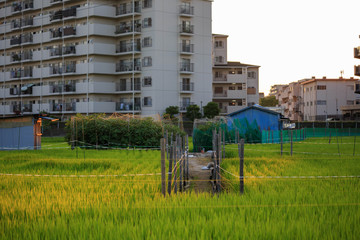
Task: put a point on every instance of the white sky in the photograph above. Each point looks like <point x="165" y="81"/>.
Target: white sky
<point x="290" y="39"/>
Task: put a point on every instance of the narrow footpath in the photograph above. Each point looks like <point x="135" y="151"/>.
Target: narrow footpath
<point x="200" y="179"/>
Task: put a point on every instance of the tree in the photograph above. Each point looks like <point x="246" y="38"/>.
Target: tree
<point x="269" y="101"/>
<point x="193" y="112"/>
<point x="211" y="110"/>
<point x="171" y="111"/>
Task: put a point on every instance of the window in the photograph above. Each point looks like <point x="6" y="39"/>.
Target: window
<point x="147" y="81"/>
<point x="321" y="102"/>
<point x="218" y="74"/>
<point x="218" y="44"/>
<point x="147" y="62"/>
<point x="232" y="88"/>
<point x="311" y="103"/>
<point x="219" y="59"/>
<point x="147" y="3"/>
<point x="321" y="87"/>
<point x="349" y="102"/>
<point x="240" y="87"/>
<point x="239" y="71"/>
<point x="147" y="22"/>
<point x="147" y="102"/>
<point x="218" y="89"/>
<point x="251" y="74"/>
<point x="147" y="42"/>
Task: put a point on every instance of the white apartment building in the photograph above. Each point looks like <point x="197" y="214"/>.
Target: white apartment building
<point x="96" y="56"/>
<point x="235" y="85"/>
<point x="323" y="98"/>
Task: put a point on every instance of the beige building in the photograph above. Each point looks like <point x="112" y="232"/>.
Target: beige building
<point x="323" y="98"/>
<point x="274" y="90"/>
<point x="289" y="98"/>
<point x="235" y="85"/>
<point x="91" y="56"/>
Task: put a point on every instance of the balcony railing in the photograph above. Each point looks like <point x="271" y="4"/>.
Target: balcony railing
<point x="188" y="29"/>
<point x="128" y="105"/>
<point x="184" y="105"/>
<point x="55" y="52"/>
<point x="16" y="108"/>
<point x="15" y="91"/>
<point x="69" y="31"/>
<point x="186" y="10"/>
<point x="220" y="79"/>
<point x="20" y="6"/>
<point x="17" y="23"/>
<point x="58" y="15"/>
<point x="55" y="1"/>
<point x="186" y="67"/>
<point x="221" y="94"/>
<point x="69" y="50"/>
<point x="21" y="73"/>
<point x="69" y="68"/>
<point x="62" y="107"/>
<point x="128" y="47"/>
<point x="127" y="67"/>
<point x="60" y="88"/>
<point x="128" y="28"/>
<point x="128" y="9"/>
<point x="15" y="40"/>
<point x="27" y="107"/>
<point x="127" y="87"/>
<point x="62" y="51"/>
<point x="187" y="48"/>
<point x="187" y="87"/>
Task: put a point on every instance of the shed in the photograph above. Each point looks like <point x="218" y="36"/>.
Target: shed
<point x="21" y="132"/>
<point x="250" y="121"/>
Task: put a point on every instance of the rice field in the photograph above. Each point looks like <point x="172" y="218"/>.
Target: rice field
<point x="131" y="207"/>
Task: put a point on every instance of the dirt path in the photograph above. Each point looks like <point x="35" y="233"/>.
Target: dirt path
<point x="199" y="178"/>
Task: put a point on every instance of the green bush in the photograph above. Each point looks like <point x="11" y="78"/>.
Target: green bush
<point x="97" y="131"/>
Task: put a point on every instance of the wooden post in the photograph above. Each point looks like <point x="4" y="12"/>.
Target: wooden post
<point x="163" y="180"/>
<point x="187" y="158"/>
<point x="180" y="165"/>
<point x="175" y="166"/>
<point x="281" y="141"/>
<point x="170" y="169"/>
<point x="291" y="142"/>
<point x="354" y="145"/>
<point x="241" y="156"/>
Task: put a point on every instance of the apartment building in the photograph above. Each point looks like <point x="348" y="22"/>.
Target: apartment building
<point x="235" y="84"/>
<point x="323" y="98"/>
<point x="352" y="112"/>
<point x="274" y="90"/>
<point x="289" y="100"/>
<point x="96" y="56"/>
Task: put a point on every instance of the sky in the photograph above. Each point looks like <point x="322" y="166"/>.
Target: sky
<point x="290" y="39"/>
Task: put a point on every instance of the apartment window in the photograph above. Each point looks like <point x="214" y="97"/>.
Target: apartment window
<point x="218" y="74"/>
<point x="218" y="90"/>
<point x="147" y="3"/>
<point x="310" y="89"/>
<point x="219" y="59"/>
<point x="321" y="102"/>
<point x="349" y="102"/>
<point x="147" y="42"/>
<point x="147" y="101"/>
<point x="147" y="81"/>
<point x="231" y="72"/>
<point x="240" y="87"/>
<point x="307" y="103"/>
<point x="321" y="87"/>
<point x="251" y="74"/>
<point x="147" y="22"/>
<point x="219" y="44"/>
<point x="232" y="88"/>
<point x="147" y="62"/>
<point x="311" y="103"/>
<point x="239" y="71"/>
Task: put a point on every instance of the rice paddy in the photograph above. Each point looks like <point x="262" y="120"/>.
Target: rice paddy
<point x="112" y="206"/>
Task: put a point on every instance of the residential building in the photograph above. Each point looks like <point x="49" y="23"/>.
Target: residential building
<point x="323" y="98"/>
<point x="352" y="112"/>
<point x="235" y="84"/>
<point x="93" y="56"/>
<point x="275" y="89"/>
<point x="289" y="100"/>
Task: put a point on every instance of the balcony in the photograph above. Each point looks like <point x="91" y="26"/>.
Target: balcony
<point x="127" y="105"/>
<point x="187" y="48"/>
<point x="128" y="9"/>
<point x="222" y="94"/>
<point x="186" y="29"/>
<point x="62" y="88"/>
<point x="127" y="29"/>
<point x="184" y="105"/>
<point x="67" y="50"/>
<point x="21" y="73"/>
<point x="357" y="71"/>
<point x="220" y="79"/>
<point x="15" y="40"/>
<point x="186" y="87"/>
<point x="63" y="107"/>
<point x="26" y="56"/>
<point x="55" y="52"/>
<point x="60" y="32"/>
<point x="186" y="10"/>
<point x="15" y="108"/>
<point x="53" y="2"/>
<point x="127" y="67"/>
<point x="357" y="52"/>
<point x="130" y="47"/>
<point x="58" y="69"/>
<point x="67" y="13"/>
<point x="128" y="87"/>
<point x="186" y="68"/>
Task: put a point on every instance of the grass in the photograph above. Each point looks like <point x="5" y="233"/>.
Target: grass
<point x="133" y="208"/>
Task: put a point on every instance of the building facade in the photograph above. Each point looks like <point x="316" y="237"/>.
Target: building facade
<point x="323" y="98"/>
<point x="290" y="100"/>
<point x="94" y="56"/>
<point x="235" y="85"/>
